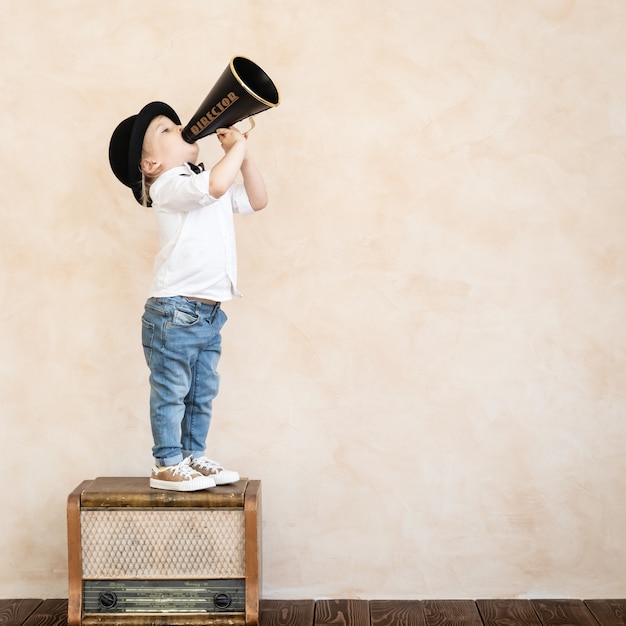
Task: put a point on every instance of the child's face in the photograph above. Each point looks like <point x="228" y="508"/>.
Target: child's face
<point x="164" y="146"/>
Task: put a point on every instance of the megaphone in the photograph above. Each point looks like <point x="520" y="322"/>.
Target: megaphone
<point x="243" y="90"/>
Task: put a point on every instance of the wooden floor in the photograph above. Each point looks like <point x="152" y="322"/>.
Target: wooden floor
<point x="379" y="613"/>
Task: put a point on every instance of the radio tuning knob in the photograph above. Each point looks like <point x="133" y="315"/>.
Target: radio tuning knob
<point x="107" y="599"/>
<point x="222" y="600"/>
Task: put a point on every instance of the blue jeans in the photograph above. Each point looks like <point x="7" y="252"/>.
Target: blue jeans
<point x="182" y="345"/>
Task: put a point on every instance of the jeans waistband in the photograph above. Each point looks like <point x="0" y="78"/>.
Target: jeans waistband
<point x="203" y="301"/>
<point x="198" y="303"/>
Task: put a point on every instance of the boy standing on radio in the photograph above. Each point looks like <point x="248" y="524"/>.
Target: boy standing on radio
<point x="194" y="272"/>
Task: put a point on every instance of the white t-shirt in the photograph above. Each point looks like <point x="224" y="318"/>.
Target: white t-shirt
<point x="198" y="255"/>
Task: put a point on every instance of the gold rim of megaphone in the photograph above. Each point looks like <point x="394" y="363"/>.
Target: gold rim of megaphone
<point x="252" y="93"/>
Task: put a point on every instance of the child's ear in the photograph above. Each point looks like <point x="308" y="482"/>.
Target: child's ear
<point x="149" y="166"/>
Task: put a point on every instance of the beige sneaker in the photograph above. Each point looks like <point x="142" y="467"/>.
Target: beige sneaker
<point x="181" y="477"/>
<point x="214" y="470"/>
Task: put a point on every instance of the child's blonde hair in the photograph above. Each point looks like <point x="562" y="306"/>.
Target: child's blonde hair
<point x="146" y="183"/>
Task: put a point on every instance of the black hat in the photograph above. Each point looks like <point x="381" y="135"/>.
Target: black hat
<point x="127" y="141"/>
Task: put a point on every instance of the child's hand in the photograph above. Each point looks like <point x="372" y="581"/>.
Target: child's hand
<point x="225" y="171"/>
<point x="228" y="137"/>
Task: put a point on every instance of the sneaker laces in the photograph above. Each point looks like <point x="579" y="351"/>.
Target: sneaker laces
<point x="208" y="464"/>
<point x="184" y="469"/>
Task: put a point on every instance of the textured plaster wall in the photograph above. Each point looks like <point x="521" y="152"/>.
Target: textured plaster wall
<point x="427" y="371"/>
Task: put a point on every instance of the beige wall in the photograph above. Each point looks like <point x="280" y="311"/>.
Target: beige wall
<point x="427" y="371"/>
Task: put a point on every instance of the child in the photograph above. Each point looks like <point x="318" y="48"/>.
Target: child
<point x="194" y="272"/>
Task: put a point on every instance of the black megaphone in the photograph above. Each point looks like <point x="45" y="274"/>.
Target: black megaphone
<point x="243" y="90"/>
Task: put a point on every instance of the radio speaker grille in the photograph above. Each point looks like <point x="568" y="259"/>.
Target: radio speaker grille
<point x="162" y="544"/>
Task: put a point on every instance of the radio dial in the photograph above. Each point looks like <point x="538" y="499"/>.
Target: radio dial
<point x="107" y="599"/>
<point x="222" y="600"/>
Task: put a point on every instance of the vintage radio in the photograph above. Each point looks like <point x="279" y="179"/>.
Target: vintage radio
<point x="150" y="557"/>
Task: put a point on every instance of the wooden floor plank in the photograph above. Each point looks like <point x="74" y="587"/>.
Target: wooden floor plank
<point x="286" y="612"/>
<point x="14" y="612"/>
<point x="451" y="613"/>
<point x="49" y="613"/>
<point x="612" y="612"/>
<point x="564" y="613"/>
<point x="608" y="612"/>
<point x="508" y="612"/>
<point x="397" y="613"/>
<point x="342" y="613"/>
